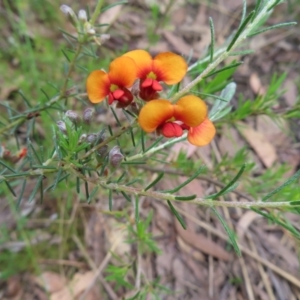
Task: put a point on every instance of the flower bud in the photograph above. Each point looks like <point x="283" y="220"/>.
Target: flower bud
<point x="62" y="126"/>
<point x="89" y="29"/>
<point x="82" y="16"/>
<point x="88" y="115"/>
<point x="68" y="11"/>
<point x="115" y="156"/>
<point x="73" y="116"/>
<point x="82" y="138"/>
<point x="101" y="152"/>
<point x="91" y="138"/>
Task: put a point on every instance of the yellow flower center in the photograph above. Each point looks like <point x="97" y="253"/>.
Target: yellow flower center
<point x="113" y="87"/>
<point x="151" y="75"/>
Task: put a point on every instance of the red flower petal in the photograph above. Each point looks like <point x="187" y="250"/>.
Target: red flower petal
<point x="202" y="134"/>
<point x="97" y="86"/>
<point x="170" y="129"/>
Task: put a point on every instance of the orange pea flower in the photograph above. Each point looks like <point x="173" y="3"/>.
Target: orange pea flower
<point x="170" y="120"/>
<point x="167" y="67"/>
<point x="114" y="84"/>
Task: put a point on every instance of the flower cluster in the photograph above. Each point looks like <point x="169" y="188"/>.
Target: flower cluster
<point x="160" y="115"/>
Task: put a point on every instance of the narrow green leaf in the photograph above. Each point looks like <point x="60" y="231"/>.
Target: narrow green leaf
<point x="46" y="95"/>
<point x="242" y="52"/>
<point x="155" y="181"/>
<point x="24" y="98"/>
<point x="288" y="182"/>
<point x="7" y="166"/>
<point x="132" y="137"/>
<point x="43" y="167"/>
<point x="133" y="181"/>
<point x="276" y="220"/>
<point x="65" y="54"/>
<point x="113" y="5"/>
<point x="57" y="179"/>
<point x="110" y="204"/>
<point x="143" y="141"/>
<point x="240" y="30"/>
<point x="133" y="162"/>
<point x="256" y="9"/>
<point x="37" y="186"/>
<point x="92" y="194"/>
<point x="137" y="214"/>
<point x="230" y="233"/>
<point x="272" y="27"/>
<point x="86" y="187"/>
<point x="116" y="117"/>
<point x="234" y="65"/>
<point x="61" y="179"/>
<point x="244" y="12"/>
<point x="121" y="177"/>
<point x="177" y="215"/>
<point x="126" y="196"/>
<point x="10" y="188"/>
<point x="196" y="174"/>
<point x="276" y="3"/>
<point x="185" y="198"/>
<point x="68" y="34"/>
<point x="155" y="143"/>
<point x="295" y="203"/>
<point x="209" y="95"/>
<point x="21" y="193"/>
<point x="230" y="184"/>
<point x="41" y="192"/>
<point x="77" y="185"/>
<point x="33" y="150"/>
<point x="212" y="39"/>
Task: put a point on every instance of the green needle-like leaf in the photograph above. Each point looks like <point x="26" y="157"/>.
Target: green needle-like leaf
<point x="177" y="215"/>
<point x="10" y="188"/>
<point x="37" y="186"/>
<point x="230" y="233"/>
<point x="272" y="27"/>
<point x="110" y="200"/>
<point x="185" y="198"/>
<point x="212" y="38"/>
<point x="240" y="30"/>
<point x="196" y="174"/>
<point x="92" y="194"/>
<point x="126" y="196"/>
<point x="155" y="181"/>
<point x="229" y="185"/>
<point x="21" y="193"/>
<point x="288" y="182"/>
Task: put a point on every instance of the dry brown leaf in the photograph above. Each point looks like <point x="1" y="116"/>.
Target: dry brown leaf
<point x="79" y="284"/>
<point x="51" y="282"/>
<point x="178" y="43"/>
<point x="291" y="92"/>
<point x="202" y="243"/>
<point x="110" y="15"/>
<point x="245" y="221"/>
<point x="265" y="150"/>
<point x="190" y="250"/>
<point x="256" y="85"/>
